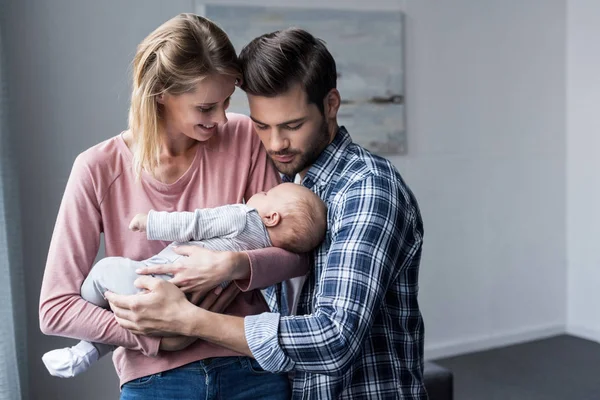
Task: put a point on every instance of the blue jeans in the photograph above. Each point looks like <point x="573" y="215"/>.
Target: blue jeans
<point x="231" y="378"/>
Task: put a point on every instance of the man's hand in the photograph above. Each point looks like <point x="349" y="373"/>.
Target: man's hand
<point x="164" y="309"/>
<point x="160" y="310"/>
<point x="216" y="300"/>
<point x="139" y="223"/>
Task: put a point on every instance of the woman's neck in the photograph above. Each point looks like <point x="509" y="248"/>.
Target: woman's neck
<point x="176" y="145"/>
<point x="176" y="156"/>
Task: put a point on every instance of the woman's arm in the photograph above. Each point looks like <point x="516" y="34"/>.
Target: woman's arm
<point x="203" y="269"/>
<point x="73" y="248"/>
<point x="265" y="267"/>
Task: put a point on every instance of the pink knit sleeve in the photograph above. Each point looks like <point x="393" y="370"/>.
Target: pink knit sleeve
<point x="73" y="248"/>
<point x="271" y="265"/>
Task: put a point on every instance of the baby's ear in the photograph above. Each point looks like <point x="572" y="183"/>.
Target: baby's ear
<point x="271" y="219"/>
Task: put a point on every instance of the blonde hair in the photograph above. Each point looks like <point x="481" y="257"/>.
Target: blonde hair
<point x="172" y="59"/>
<point x="305" y="219"/>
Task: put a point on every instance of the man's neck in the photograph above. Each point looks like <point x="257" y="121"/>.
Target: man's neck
<point x="333" y="129"/>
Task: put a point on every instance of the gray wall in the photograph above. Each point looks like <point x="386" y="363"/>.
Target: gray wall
<point x="486" y="124"/>
<point x="583" y="164"/>
<point x="68" y="65"/>
<point x="486" y="120"/>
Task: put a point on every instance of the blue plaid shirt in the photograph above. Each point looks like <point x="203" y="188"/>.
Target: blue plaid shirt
<point x="358" y="332"/>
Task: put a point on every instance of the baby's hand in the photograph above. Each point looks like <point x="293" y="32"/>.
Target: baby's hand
<point x="138" y="223"/>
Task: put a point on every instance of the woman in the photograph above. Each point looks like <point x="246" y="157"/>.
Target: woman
<point x="181" y="152"/>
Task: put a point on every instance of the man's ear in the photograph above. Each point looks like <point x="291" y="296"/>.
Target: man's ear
<point x="272" y="219"/>
<point x="332" y="103"/>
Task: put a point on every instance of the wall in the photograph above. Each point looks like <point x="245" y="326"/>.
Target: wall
<point x="583" y="188"/>
<point x="486" y="123"/>
<point x="486" y="129"/>
<point x="68" y="66"/>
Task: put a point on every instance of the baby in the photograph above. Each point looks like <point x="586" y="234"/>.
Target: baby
<point x="288" y="216"/>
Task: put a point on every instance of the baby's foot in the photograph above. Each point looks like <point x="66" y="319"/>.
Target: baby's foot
<point x="70" y="361"/>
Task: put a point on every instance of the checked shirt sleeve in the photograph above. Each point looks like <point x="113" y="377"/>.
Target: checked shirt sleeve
<point x="373" y="237"/>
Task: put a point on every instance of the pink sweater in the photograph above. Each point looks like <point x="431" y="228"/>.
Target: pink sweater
<point x="102" y="196"/>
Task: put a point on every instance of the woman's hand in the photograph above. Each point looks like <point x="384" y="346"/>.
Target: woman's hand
<point x="201" y="269"/>
<point x="176" y="343"/>
<point x="219" y="299"/>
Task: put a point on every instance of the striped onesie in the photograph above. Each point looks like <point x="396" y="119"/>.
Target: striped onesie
<point x="234" y="227"/>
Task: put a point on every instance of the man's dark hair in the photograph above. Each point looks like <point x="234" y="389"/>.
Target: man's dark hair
<point x="274" y="62"/>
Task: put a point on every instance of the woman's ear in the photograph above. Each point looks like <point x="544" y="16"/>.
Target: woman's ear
<point x="272" y="219"/>
<point x="160" y="99"/>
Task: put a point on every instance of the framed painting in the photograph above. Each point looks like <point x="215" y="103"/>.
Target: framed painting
<point x="368" y="47"/>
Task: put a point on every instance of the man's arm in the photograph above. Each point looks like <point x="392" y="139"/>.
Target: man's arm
<point x="206" y="223"/>
<point x="374" y="236"/>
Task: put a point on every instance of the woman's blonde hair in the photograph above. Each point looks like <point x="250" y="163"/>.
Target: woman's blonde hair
<point x="172" y="59"/>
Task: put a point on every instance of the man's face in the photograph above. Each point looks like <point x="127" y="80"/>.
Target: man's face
<point x="293" y="132"/>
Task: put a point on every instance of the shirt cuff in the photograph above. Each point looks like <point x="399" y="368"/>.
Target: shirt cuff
<point x="261" y="334"/>
<point x="245" y="285"/>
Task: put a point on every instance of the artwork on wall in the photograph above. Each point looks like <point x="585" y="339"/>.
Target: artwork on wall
<point x="368" y="47"/>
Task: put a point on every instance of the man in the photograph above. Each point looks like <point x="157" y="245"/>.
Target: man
<point x="356" y="331"/>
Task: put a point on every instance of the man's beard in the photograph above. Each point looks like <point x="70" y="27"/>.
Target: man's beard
<point x="303" y="159"/>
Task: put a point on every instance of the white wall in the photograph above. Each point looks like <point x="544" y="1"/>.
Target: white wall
<point x="583" y="166"/>
<point x="486" y="159"/>
<point x="486" y="121"/>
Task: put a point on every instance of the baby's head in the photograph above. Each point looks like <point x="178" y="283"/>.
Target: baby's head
<point x="295" y="217"/>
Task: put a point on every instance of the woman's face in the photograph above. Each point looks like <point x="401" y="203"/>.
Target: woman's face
<point x="199" y="113"/>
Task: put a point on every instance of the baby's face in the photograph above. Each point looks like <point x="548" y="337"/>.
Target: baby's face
<point x="274" y="199"/>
